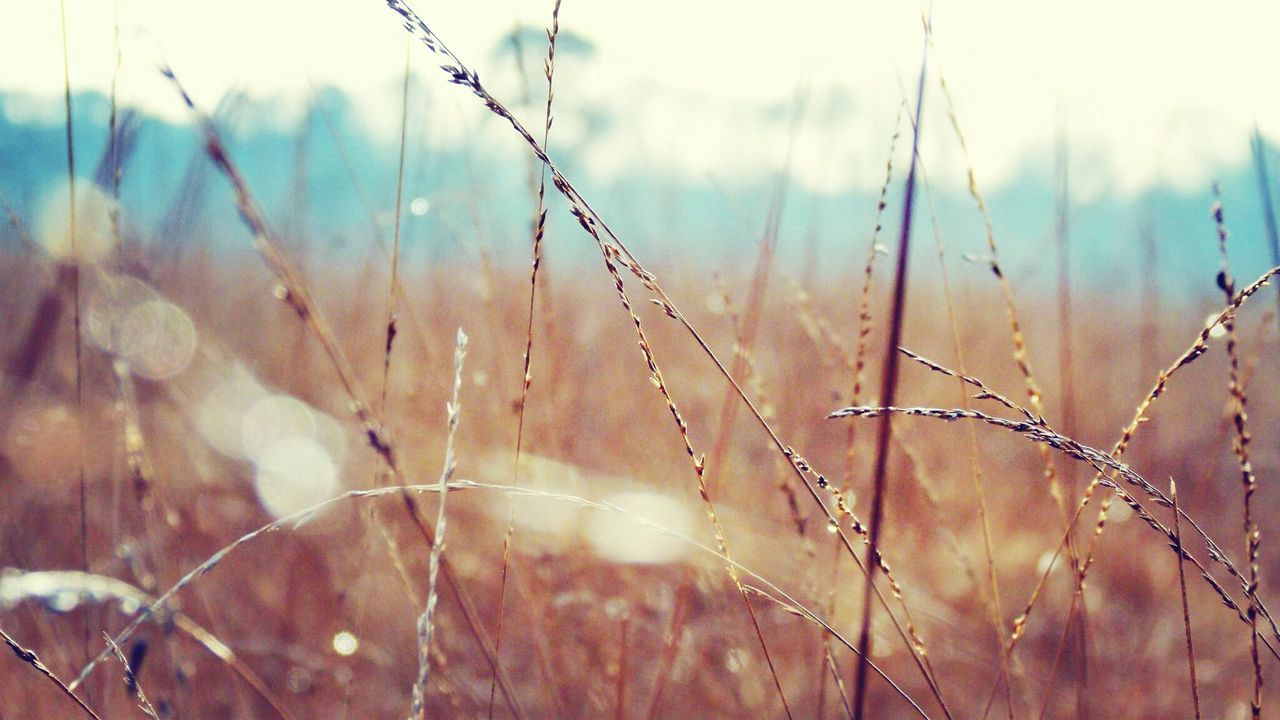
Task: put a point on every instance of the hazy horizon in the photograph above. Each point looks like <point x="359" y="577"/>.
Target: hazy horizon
<point x="476" y="187"/>
<point x="706" y="89"/>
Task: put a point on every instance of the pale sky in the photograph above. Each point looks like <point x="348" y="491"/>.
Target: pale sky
<point x="1143" y="97"/>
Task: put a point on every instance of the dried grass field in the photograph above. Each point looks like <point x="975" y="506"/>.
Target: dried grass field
<point x="287" y="483"/>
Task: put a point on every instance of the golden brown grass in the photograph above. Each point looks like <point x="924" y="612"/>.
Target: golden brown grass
<point x="220" y="610"/>
<point x="610" y="430"/>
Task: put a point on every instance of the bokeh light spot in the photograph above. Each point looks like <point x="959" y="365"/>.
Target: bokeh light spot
<point x="626" y="539"/>
<point x="158" y="339"/>
<point x="345" y="644"/>
<point x="93" y="229"/>
<point x="294" y="474"/>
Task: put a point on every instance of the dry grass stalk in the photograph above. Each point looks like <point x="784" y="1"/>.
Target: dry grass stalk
<point x="1240" y="418"/>
<point x="1022" y="361"/>
<point x="292" y="289"/>
<point x="391" y="324"/>
<point x="1111" y="462"/>
<point x="666" y="661"/>
<point x="830" y="662"/>
<point x="888" y="390"/>
<point x="539" y="223"/>
<point x="1066" y="390"/>
<point x="1062" y="231"/>
<point x="70" y="133"/>
<point x="920" y="474"/>
<point x="1020" y="354"/>
<point x="502" y="602"/>
<point x="526" y="378"/>
<point x="1077" y="605"/>
<point x="864" y="299"/>
<point x="906" y="628"/>
<point x="74" y="268"/>
<point x="837" y="517"/>
<point x="1020" y="357"/>
<point x="994" y="600"/>
<point x="1186" y="611"/>
<point x="44" y="585"/>
<point x="393" y="290"/>
<point x="1040" y="432"/>
<point x="857" y="366"/>
<point x="29" y="657"/>
<point x="611" y="254"/>
<point x="827" y="342"/>
<point x="1198" y="347"/>
<point x="788" y="604"/>
<point x="1031" y="420"/>
<point x="131" y="681"/>
<point x="426" y="623"/>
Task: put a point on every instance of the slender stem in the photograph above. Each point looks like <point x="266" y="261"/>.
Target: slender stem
<point x="29" y="657"/>
<point x="620" y="692"/>
<point x="976" y="475"/>
<point x="888" y="389"/>
<point x="1186" y="611"/>
<point x="75" y="284"/>
<point x="1268" y="206"/>
<point x="426" y="622"/>
<point x="1240" y="445"/>
<point x="1066" y="385"/>
<point x="526" y="377"/>
<point x="393" y="291"/>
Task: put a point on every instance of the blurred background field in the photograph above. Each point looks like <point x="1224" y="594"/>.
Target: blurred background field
<point x="195" y="406"/>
